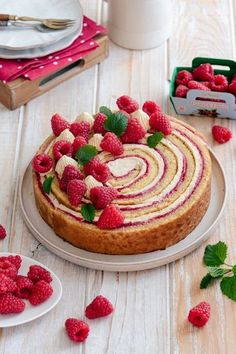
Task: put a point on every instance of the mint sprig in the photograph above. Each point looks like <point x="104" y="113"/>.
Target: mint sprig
<point x="85" y="154"/>
<point x="47" y="184"/>
<point x="88" y="212"/>
<point x="215" y="255"/>
<point x="116" y="123"/>
<point x="154" y="139"/>
<point x="105" y="110"/>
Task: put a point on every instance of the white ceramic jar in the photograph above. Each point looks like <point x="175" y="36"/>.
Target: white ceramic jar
<point x="139" y="24"/>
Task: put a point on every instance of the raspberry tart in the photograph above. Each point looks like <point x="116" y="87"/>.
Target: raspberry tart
<point x="128" y="181"/>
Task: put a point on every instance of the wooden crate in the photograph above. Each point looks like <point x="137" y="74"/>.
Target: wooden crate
<point x="21" y="91"/>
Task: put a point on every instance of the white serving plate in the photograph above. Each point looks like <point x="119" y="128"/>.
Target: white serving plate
<point x="55" y="244"/>
<point x="21" y="39"/>
<point x="32" y="312"/>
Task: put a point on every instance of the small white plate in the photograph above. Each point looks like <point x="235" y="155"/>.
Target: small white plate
<point x="32" y="312"/>
<point x="55" y="244"/>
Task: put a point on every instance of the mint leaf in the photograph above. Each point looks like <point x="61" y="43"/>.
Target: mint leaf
<point x="216" y="272"/>
<point x="206" y="280"/>
<point x="215" y="255"/>
<point x="105" y="110"/>
<point x="85" y="154"/>
<point x="116" y="123"/>
<point x="88" y="212"/>
<point x="234" y="269"/>
<point x="228" y="287"/>
<point x="154" y="139"/>
<point x="47" y="184"/>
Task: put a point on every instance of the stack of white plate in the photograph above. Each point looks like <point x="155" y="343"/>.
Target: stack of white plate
<point x="28" y="42"/>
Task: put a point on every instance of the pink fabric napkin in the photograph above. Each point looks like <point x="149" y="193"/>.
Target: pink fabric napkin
<point x="11" y="69"/>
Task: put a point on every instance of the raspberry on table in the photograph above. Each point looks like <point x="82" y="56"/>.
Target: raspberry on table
<point x="15" y="260"/>
<point x="161" y="123"/>
<point x="98" y="170"/>
<point x="183" y="77"/>
<point x="195" y="85"/>
<point x="204" y="72"/>
<point x="111" y="217"/>
<point x="77" y="330"/>
<point x="219" y="83"/>
<point x="102" y="196"/>
<point x="181" y="91"/>
<point x="99" y="307"/>
<point x="81" y="128"/>
<point x="7" y="285"/>
<point x="199" y="315"/>
<point x="61" y="148"/>
<point x="221" y="134"/>
<point x="42" y="163"/>
<point x="11" y="304"/>
<point x="36" y="273"/>
<point x="8" y="269"/>
<point x="59" y="124"/>
<point x="24" y="287"/>
<point x="40" y="292"/>
<point x="127" y="104"/>
<point x="134" y="132"/>
<point x="70" y="172"/>
<point x="98" y="125"/>
<point x="3" y="232"/>
<point x="111" y="143"/>
<point x="78" y="143"/>
<point x="76" y="190"/>
<point x="150" y="107"/>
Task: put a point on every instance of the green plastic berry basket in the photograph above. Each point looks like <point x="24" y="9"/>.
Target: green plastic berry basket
<point x="208" y="103"/>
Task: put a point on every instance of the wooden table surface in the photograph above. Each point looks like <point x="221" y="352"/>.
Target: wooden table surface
<point x="151" y="306"/>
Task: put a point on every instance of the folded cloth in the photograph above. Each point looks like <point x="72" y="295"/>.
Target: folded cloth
<point x="11" y="69"/>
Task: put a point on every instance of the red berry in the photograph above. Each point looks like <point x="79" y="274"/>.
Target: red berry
<point x="150" y="107"/>
<point x="77" y="330"/>
<point x="98" y="170"/>
<point x="160" y="122"/>
<point x="37" y="273"/>
<point x="98" y="125"/>
<point x="199" y="315"/>
<point x="221" y="134"/>
<point x="204" y="72"/>
<point x="88" y="168"/>
<point x="15" y="260"/>
<point x="181" y="91"/>
<point x="111" y="143"/>
<point x="99" y="307"/>
<point x="110" y="218"/>
<point x="59" y="124"/>
<point x="61" y="148"/>
<point x="232" y="87"/>
<point x="70" y="172"/>
<point x="206" y="83"/>
<point x="42" y="163"/>
<point x="195" y="85"/>
<point x="3" y="232"/>
<point x="78" y="143"/>
<point x="40" y="292"/>
<point x="183" y="77"/>
<point x="76" y="189"/>
<point x="11" y="304"/>
<point x="102" y="196"/>
<point x="219" y="83"/>
<point x="7" y="285"/>
<point x="127" y="104"/>
<point x="24" y="287"/>
<point x="8" y="269"/>
<point x="134" y="132"/>
<point x="81" y="128"/>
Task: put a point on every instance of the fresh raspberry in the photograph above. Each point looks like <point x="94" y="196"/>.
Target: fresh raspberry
<point x="8" y="269"/>
<point x="102" y="196"/>
<point x="15" y="260"/>
<point x="150" y="107"/>
<point x="98" y="170"/>
<point x="221" y="134"/>
<point x="77" y="330"/>
<point x="98" y="125"/>
<point x="76" y="189"/>
<point x="183" y="77"/>
<point x="111" y="217"/>
<point x="127" y="104"/>
<point x="59" y="124"/>
<point x="219" y="83"/>
<point x="232" y="87"/>
<point x="40" y="292"/>
<point x="37" y="273"/>
<point x="99" y="307"/>
<point x="11" y="304"/>
<point x="195" y="85"/>
<point x="89" y="167"/>
<point x="61" y="148"/>
<point x="7" y="285"/>
<point x="70" y="172"/>
<point x="206" y="83"/>
<point x="199" y="315"/>
<point x="3" y="232"/>
<point x="160" y="122"/>
<point x="78" y="143"/>
<point x="24" y="287"/>
<point x="111" y="143"/>
<point x="134" y="132"/>
<point x="181" y="91"/>
<point x="204" y="72"/>
<point x="81" y="128"/>
<point x="42" y="163"/>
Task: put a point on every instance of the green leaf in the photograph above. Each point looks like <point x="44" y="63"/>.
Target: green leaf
<point x="154" y="139"/>
<point x="116" y="123"/>
<point x="228" y="287"/>
<point x="47" y="184"/>
<point x="234" y="269"/>
<point x="206" y="280"/>
<point x="215" y="255"/>
<point x="105" y="110"/>
<point x="88" y="212"/>
<point x="85" y="154"/>
<point x="216" y="272"/>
